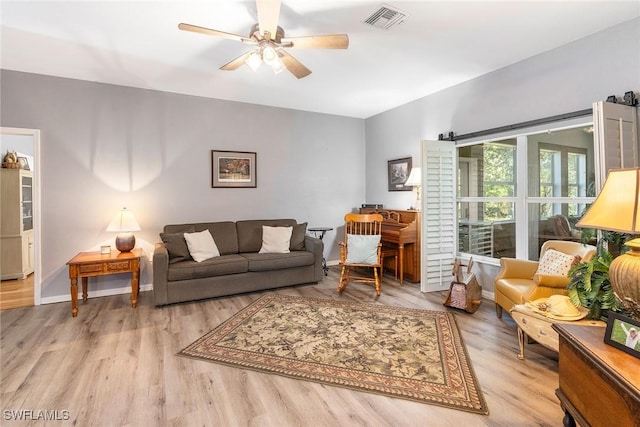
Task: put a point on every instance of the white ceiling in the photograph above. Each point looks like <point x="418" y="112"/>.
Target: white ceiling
<point x="441" y="43"/>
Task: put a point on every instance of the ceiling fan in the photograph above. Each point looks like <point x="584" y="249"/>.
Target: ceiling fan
<point x="270" y="42"/>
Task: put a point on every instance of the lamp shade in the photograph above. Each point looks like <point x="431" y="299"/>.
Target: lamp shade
<point x="415" y="177"/>
<point x="616" y="207"/>
<point x="124" y="221"/>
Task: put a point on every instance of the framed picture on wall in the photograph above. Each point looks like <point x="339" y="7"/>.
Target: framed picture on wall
<point x="623" y="333"/>
<point x="233" y="169"/>
<point x="398" y="171"/>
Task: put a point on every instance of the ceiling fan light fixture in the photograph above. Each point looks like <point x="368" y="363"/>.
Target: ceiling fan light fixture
<point x="254" y="60"/>
<point x="277" y="66"/>
<point x="269" y="55"/>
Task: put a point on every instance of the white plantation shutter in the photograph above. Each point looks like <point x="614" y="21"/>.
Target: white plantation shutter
<point x="438" y="230"/>
<point x="615" y="136"/>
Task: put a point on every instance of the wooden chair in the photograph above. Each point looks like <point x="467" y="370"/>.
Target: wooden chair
<point x="361" y="248"/>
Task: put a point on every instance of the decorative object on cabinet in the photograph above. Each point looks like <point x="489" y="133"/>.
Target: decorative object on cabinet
<point x="10" y="160"/>
<point x="398" y="171"/>
<point x="415" y="181"/>
<point x="16" y="227"/>
<point x="623" y="333"/>
<point x="124" y="223"/>
<point x="23" y="163"/>
<point x="233" y="169"/>
<point x="617" y="208"/>
<point x="401" y="230"/>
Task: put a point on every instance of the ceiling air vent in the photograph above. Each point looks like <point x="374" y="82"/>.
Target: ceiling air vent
<point x="386" y="17"/>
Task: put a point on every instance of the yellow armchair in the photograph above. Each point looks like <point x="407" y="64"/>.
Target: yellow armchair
<point x="515" y="282"/>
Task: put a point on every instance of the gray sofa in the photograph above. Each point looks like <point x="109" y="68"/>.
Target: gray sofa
<point x="239" y="268"/>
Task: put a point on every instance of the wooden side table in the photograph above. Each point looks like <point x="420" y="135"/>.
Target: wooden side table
<point x="538" y="327"/>
<point x="90" y="264"/>
<point x="319" y="233"/>
<point x="599" y="385"/>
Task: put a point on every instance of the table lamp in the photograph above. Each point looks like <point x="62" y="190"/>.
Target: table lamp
<point x="124" y="223"/>
<point x="415" y="180"/>
<point x="617" y="209"/>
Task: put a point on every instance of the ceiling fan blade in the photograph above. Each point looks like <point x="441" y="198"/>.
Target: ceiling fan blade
<point x="236" y="63"/>
<point x="210" y="32"/>
<point x="294" y="66"/>
<point x="268" y="15"/>
<point x="329" y="41"/>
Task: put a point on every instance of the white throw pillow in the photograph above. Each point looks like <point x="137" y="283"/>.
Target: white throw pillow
<point x="275" y="240"/>
<point x="201" y="245"/>
<point x="362" y="249"/>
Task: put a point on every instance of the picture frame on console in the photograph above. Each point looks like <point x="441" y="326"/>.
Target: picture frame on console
<point x="233" y="169"/>
<point x="623" y="333"/>
<point x="398" y="171"/>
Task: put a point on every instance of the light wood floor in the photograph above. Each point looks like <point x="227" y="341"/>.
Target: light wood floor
<point x="16" y="293"/>
<point x="117" y="366"/>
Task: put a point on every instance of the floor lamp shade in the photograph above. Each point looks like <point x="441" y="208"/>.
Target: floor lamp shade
<point x="616" y="209"/>
<point x="124" y="223"/>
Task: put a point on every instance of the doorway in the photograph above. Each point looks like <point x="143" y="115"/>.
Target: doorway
<point x="20" y="266"/>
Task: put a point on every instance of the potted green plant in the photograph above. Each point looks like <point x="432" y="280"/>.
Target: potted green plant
<point x="590" y="286"/>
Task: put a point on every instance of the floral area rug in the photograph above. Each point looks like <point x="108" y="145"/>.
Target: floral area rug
<point x="399" y="352"/>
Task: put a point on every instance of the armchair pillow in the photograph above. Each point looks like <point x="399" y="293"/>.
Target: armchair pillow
<point x="554" y="267"/>
<point x="275" y="240"/>
<point x="201" y="245"/>
<point x="362" y="249"/>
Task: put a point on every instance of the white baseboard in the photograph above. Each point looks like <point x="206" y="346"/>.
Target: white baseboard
<point x="99" y="293"/>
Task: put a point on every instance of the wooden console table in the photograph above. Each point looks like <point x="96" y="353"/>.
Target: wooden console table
<point x="89" y="264"/>
<point x="599" y="384"/>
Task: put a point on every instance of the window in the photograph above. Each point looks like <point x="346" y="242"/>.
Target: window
<point x="497" y="201"/>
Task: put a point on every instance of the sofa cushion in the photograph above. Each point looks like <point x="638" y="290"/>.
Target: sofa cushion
<point x="250" y="232"/>
<point x="224" y="234"/>
<point x="272" y="261"/>
<point x="176" y="246"/>
<point x="218" y="266"/>
<point x="297" y="237"/>
<point x="201" y="245"/>
<point x="275" y="240"/>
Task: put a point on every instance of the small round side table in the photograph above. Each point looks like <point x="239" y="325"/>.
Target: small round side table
<point x="319" y="232"/>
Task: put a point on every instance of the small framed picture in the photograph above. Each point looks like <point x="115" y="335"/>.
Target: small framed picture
<point x="233" y="169"/>
<point x="24" y="163"/>
<point x="623" y="333"/>
<point x="398" y="171"/>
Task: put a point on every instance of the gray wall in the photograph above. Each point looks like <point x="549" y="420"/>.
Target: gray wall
<point x="104" y="147"/>
<point x="563" y="80"/>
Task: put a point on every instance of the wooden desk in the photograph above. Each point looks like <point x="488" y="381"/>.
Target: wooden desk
<point x="539" y="327"/>
<point x="599" y="384"/>
<point x="89" y="264"/>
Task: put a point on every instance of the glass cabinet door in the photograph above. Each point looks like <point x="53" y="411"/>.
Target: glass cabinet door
<point x="27" y="202"/>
